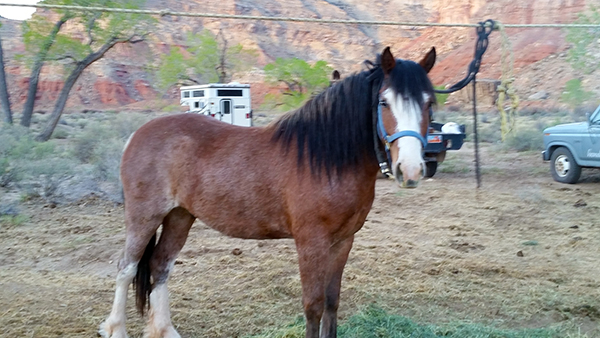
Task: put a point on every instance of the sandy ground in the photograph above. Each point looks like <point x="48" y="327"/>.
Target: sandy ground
<point x="521" y="251"/>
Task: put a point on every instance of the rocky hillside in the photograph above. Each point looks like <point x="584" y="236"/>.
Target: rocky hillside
<point x="121" y="79"/>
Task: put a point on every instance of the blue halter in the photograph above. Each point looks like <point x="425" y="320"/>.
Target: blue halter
<point x="388" y="139"/>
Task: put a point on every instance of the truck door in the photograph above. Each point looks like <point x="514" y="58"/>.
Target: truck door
<point x="226" y="111"/>
<point x="591" y="143"/>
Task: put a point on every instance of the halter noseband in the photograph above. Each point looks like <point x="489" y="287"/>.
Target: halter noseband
<point x="388" y="139"/>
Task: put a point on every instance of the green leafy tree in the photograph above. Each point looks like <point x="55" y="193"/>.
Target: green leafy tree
<point x="584" y="49"/>
<point x="441" y="98"/>
<point x="102" y="31"/>
<point x="39" y="35"/>
<point x="301" y="81"/>
<point x="4" y="99"/>
<point x="208" y="58"/>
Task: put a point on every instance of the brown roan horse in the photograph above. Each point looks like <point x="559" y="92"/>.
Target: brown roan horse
<point x="310" y="176"/>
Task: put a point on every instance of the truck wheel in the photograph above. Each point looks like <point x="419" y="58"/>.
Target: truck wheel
<point x="563" y="166"/>
<point x="431" y="167"/>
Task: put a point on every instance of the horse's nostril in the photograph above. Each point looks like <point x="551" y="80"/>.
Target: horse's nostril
<point x="398" y="173"/>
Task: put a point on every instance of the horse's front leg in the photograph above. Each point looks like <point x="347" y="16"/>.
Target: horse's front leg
<point x="313" y="256"/>
<point x="337" y="261"/>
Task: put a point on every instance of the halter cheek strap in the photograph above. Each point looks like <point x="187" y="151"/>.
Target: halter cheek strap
<point x="388" y="139"/>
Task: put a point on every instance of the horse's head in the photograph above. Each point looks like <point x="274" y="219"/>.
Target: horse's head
<point x="406" y="96"/>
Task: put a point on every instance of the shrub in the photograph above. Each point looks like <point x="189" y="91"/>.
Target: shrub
<point x="101" y="143"/>
<point x="61" y="132"/>
<point x="489" y="132"/>
<point x="23" y="160"/>
<point x="574" y="93"/>
<point x="525" y="139"/>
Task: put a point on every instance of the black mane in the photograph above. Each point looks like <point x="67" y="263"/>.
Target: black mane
<point x="335" y="128"/>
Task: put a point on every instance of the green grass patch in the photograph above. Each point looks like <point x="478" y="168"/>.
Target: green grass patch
<point x="15" y="220"/>
<point x="374" y="322"/>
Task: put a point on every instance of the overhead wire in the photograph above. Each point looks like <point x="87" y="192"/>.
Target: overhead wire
<point x="168" y="12"/>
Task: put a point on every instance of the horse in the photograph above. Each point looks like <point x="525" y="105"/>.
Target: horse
<point x="309" y="175"/>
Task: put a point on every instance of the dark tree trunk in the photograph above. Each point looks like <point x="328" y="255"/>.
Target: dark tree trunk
<point x="35" y="74"/>
<point x="4" y="99"/>
<point x="222" y="59"/>
<point x="69" y="83"/>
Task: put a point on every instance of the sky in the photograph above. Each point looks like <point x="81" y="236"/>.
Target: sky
<point x="17" y="13"/>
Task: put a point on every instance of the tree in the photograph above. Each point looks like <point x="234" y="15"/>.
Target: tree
<point x="584" y="50"/>
<point x="103" y="31"/>
<point x="207" y="58"/>
<point x="4" y="99"/>
<point x="301" y="81"/>
<point x="39" y="35"/>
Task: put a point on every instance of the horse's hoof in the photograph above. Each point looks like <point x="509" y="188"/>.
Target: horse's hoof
<point x="107" y="332"/>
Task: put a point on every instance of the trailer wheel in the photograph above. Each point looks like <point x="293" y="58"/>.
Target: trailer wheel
<point x="563" y="166"/>
<point x="431" y="167"/>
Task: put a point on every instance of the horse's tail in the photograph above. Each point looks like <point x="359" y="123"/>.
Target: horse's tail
<point x="141" y="281"/>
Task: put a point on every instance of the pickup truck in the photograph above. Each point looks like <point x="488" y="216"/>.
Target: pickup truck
<point x="570" y="147"/>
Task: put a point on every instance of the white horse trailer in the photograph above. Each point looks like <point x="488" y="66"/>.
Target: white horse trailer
<point x="227" y="102"/>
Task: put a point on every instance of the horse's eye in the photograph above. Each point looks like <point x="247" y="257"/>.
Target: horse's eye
<point x="383" y="102"/>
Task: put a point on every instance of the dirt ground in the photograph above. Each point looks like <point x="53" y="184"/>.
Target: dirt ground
<point x="522" y="251"/>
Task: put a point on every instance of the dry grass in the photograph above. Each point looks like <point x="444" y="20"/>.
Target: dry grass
<point x="438" y="254"/>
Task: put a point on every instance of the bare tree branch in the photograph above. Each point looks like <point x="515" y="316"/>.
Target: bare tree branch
<point x="90" y="25"/>
<point x="64" y="57"/>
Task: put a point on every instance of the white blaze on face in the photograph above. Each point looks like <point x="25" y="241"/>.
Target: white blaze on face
<point x="408" y="116"/>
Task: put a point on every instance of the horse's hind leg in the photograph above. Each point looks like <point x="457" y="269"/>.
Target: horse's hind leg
<point x="114" y="325"/>
<point x="176" y="226"/>
<point x="338" y="255"/>
<point x="138" y="239"/>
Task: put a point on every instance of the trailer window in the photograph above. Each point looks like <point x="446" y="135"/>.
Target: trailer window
<point x="229" y="92"/>
<point x="186" y="94"/>
<point x="198" y="93"/>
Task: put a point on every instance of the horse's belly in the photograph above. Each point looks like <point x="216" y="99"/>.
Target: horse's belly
<point x="246" y="225"/>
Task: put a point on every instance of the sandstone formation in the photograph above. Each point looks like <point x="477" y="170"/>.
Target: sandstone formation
<point x="122" y="79"/>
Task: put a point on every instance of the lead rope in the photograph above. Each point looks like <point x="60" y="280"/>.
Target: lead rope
<point x="484" y="29"/>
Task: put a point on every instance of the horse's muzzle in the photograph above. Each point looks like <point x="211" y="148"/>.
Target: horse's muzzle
<point x="409" y="177"/>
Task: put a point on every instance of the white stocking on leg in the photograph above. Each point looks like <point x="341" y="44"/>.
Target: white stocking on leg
<point x="114" y="325"/>
<point x="159" y="324"/>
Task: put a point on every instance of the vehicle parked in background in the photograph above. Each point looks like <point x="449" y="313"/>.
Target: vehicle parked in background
<point x="227" y="102"/>
<point x="441" y="138"/>
<point x="570" y="147"/>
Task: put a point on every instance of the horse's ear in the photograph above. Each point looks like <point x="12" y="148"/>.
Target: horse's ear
<point x="428" y="60"/>
<point x="387" y="61"/>
<point x="335" y="75"/>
